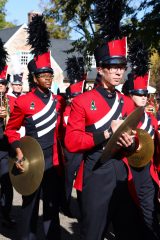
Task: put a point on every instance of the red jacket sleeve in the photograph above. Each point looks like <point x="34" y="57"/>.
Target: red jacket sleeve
<point x="59" y="132"/>
<point x="14" y="123"/>
<point x="60" y="109"/>
<point x="76" y="138"/>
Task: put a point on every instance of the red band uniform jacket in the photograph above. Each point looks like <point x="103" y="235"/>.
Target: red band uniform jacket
<point x="11" y="97"/>
<point x="91" y="114"/>
<point x="41" y="116"/>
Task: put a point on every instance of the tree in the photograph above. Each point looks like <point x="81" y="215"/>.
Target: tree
<point x="56" y="29"/>
<point x="138" y="19"/>
<point x="147" y="27"/>
<point x="155" y="70"/>
<point x="80" y="15"/>
<point x="3" y="23"/>
<point x="77" y="15"/>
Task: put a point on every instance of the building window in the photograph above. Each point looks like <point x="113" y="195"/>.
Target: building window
<point x="92" y="61"/>
<point x="24" y="58"/>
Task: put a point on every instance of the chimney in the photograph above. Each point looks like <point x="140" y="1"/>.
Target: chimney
<point x="31" y="15"/>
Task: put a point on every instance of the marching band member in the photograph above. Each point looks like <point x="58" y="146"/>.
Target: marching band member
<point x="17" y="87"/>
<point x="6" y="196"/>
<point x="40" y="111"/>
<point x="94" y="115"/>
<point x="77" y="75"/>
<point x="145" y="178"/>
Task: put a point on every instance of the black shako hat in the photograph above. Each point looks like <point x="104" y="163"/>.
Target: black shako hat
<point x="138" y="78"/>
<point x="40" y="43"/>
<point x="76" y="74"/>
<point x="111" y="44"/>
<point x="113" y="52"/>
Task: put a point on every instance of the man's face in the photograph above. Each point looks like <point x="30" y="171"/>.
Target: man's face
<point x="3" y="87"/>
<point x="17" y="88"/>
<point x="44" y="80"/>
<point x="111" y="75"/>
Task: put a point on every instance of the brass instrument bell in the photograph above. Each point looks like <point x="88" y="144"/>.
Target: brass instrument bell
<point x="4" y="103"/>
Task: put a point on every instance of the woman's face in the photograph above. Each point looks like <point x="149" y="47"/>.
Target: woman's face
<point x="139" y="100"/>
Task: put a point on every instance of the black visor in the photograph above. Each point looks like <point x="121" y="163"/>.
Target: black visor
<point x="115" y="60"/>
<point x="139" y="92"/>
<point x="43" y="70"/>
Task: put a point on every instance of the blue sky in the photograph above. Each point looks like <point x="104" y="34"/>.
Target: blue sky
<point x="17" y="10"/>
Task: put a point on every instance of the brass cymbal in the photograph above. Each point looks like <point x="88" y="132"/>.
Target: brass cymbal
<point x="143" y="155"/>
<point x="130" y="123"/>
<point x="28" y="181"/>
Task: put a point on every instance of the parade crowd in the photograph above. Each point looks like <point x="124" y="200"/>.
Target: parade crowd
<point x="73" y="130"/>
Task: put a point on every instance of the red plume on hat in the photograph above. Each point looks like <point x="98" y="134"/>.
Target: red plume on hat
<point x="3" y="66"/>
<point x="113" y="46"/>
<point x="76" y="74"/>
<point x="138" y="79"/>
<point x="39" y="40"/>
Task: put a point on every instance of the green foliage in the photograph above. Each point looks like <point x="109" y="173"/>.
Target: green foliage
<point x="3" y="23"/>
<point x="57" y="29"/>
<point x="155" y="70"/>
<point x="147" y="27"/>
<point x="140" y="19"/>
<point x="2" y="5"/>
<point x="77" y="15"/>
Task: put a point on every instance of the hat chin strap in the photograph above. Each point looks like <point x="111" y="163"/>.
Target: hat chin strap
<point x="17" y="94"/>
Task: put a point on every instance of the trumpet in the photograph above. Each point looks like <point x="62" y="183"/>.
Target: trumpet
<point x="4" y="105"/>
<point x="152" y="105"/>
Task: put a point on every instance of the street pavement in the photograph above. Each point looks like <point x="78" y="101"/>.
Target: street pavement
<point x="70" y="228"/>
<point x="68" y="225"/>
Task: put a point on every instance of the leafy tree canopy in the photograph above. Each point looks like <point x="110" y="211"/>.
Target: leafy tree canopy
<point x="138" y="17"/>
<point x="3" y="22"/>
<point x="147" y="27"/>
<point x="56" y="28"/>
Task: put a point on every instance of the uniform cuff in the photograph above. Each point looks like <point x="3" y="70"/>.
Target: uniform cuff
<point x="98" y="138"/>
<point x="15" y="145"/>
